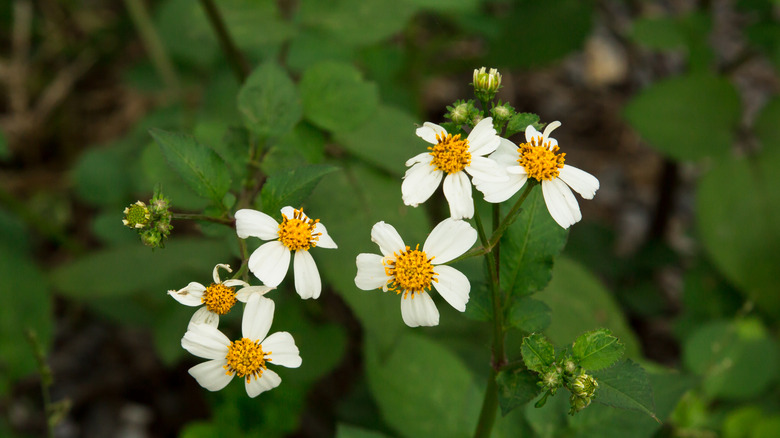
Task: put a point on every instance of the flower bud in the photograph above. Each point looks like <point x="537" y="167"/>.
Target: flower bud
<point x="460" y="114"/>
<point x="584" y="385"/>
<point x="578" y="403"/>
<point x="486" y="83"/>
<point x="136" y="215"/>
<point x="503" y="112"/>
<point x="570" y="366"/>
<point x="552" y="380"/>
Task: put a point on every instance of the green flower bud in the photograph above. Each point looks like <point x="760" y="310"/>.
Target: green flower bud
<point x="552" y="380"/>
<point x="503" y="113"/>
<point x="136" y="215"/>
<point x="578" y="403"/>
<point x="486" y="83"/>
<point x="460" y="114"/>
<point x="570" y="366"/>
<point x="584" y="385"/>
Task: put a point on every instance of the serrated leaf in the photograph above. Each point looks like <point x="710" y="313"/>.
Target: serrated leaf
<point x="357" y="22"/>
<point x="529" y="315"/>
<point x="597" y="349"/>
<point x="626" y="386"/>
<point x="688" y="117"/>
<point x="516" y="387"/>
<point x="538" y="353"/>
<point x="197" y="164"/>
<point x="292" y="188"/>
<point x="336" y="97"/>
<point x="269" y="101"/>
<point x="520" y="121"/>
<point x="529" y="246"/>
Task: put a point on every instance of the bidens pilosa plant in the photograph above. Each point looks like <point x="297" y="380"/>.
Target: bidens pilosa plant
<point x="473" y="150"/>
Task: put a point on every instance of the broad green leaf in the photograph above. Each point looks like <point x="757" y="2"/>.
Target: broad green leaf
<point x="154" y="171"/>
<point x="662" y="33"/>
<point x="597" y="349"/>
<point x="26" y="306"/>
<point x="102" y="175"/>
<point x="136" y="268"/>
<point x="347" y="431"/>
<point x="727" y="355"/>
<point x="292" y="188"/>
<point x="312" y="46"/>
<point x="529" y="315"/>
<point x="269" y="101"/>
<point x="402" y="381"/>
<point x="516" y="387"/>
<point x="519" y="122"/>
<point x="625" y="386"/>
<point x="529" y="246"/>
<point x="579" y="295"/>
<point x="197" y="164"/>
<point x="689" y="117"/>
<point x="538" y="352"/>
<point x="739" y="191"/>
<point x="357" y="22"/>
<point x="336" y="98"/>
<point x="387" y="140"/>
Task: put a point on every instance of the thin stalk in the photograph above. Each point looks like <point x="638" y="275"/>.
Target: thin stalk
<point x="46" y="379"/>
<point x="235" y="58"/>
<point x="510" y="217"/>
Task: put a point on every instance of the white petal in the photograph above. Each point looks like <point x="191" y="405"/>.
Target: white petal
<point x="453" y="286"/>
<point x="211" y="375"/>
<point x="205" y="341"/>
<point x="244" y="294"/>
<point x="486" y="169"/>
<point x="190" y="295"/>
<point x="516" y="170"/>
<point x="258" y="316"/>
<point x="269" y="263"/>
<point x="550" y="128"/>
<point x="428" y="132"/>
<point x="419" y="310"/>
<point x="449" y="239"/>
<point x="235" y="282"/>
<point x="582" y="182"/>
<point x="370" y="272"/>
<point x="531" y="133"/>
<point x="307" y="277"/>
<point x="561" y="202"/>
<point x="283" y="350"/>
<point x="215" y="274"/>
<point x="424" y="157"/>
<point x="457" y="190"/>
<point x="506" y="154"/>
<point x="324" y="241"/>
<point x="483" y="138"/>
<point x="256" y="224"/>
<point x="388" y="239"/>
<point x="269" y="380"/>
<point x="496" y="192"/>
<point x="204" y="316"/>
<point x="420" y="181"/>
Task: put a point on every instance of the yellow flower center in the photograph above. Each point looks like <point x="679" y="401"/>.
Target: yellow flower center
<point x="450" y="154"/>
<point x="540" y="160"/>
<point x="411" y="271"/>
<point x="246" y="358"/>
<point x="219" y="298"/>
<point x="296" y="233"/>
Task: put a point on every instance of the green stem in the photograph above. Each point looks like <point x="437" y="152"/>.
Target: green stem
<point x="202" y="217"/>
<point x="46" y="378"/>
<point x="243" y="270"/>
<point x="510" y="217"/>
<point x="153" y="45"/>
<point x="489" y="407"/>
<point x="236" y="59"/>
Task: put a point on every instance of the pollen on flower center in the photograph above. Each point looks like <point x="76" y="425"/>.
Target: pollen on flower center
<point x="298" y="233"/>
<point x="540" y="160"/>
<point x="450" y="154"/>
<point x="411" y="271"/>
<point x="219" y="298"/>
<point x="246" y="358"/>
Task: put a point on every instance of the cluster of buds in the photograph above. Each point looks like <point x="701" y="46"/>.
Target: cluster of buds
<point x="463" y="113"/>
<point x="152" y="222"/>
<point x="566" y="373"/>
<point x="583" y="388"/>
<point x="502" y="112"/>
<point x="486" y="83"/>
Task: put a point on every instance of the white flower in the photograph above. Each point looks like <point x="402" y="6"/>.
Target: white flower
<point x="217" y="299"/>
<point x="296" y="233"/>
<point x="412" y="271"/>
<point x="538" y="158"/>
<point x="247" y="357"/>
<point x="455" y="157"/>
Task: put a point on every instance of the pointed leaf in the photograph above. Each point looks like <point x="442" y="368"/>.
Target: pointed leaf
<point x="529" y="315"/>
<point x="516" y="387"/>
<point x="538" y="353"/>
<point x="625" y="386"/>
<point x="520" y="121"/>
<point x="597" y="349"/>
<point x="292" y="188"/>
<point x="269" y="101"/>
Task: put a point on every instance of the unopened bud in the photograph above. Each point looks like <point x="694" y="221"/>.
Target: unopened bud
<point x="486" y="83"/>
<point x="584" y="385"/>
<point x="578" y="403"/>
<point x="570" y="366"/>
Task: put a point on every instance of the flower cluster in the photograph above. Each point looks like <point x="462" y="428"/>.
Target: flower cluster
<point x="567" y="374"/>
<point x="152" y="222"/>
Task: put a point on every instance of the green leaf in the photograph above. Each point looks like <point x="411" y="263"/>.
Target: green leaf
<point x="154" y="171"/>
<point x="625" y="386"/>
<point x="357" y="22"/>
<point x="387" y="140"/>
<point x="597" y="349"/>
<point x="336" y="98"/>
<point x="740" y="422"/>
<point x="197" y="164"/>
<point x="688" y="117"/>
<point x="538" y="353"/>
<point x="520" y="121"/>
<point x="401" y="382"/>
<point x="269" y="101"/>
<point x="312" y="46"/>
<point x="529" y="315"/>
<point x="516" y="387"/>
<point x="102" y="175"/>
<point x="292" y="188"/>
<point x="767" y="428"/>
<point x="739" y="191"/>
<point x="347" y="431"/>
<point x="661" y="33"/>
<point x="136" y="268"/>
<point x="529" y="246"/>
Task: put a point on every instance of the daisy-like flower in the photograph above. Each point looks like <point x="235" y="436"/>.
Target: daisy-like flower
<point x="454" y="157"/>
<point x="247" y="357"/>
<point x="216" y="299"/>
<point x="539" y="158"/>
<point x="296" y="233"/>
<point x="412" y="272"/>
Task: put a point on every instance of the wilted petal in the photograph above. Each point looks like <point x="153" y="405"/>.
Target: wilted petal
<point x="190" y="295"/>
